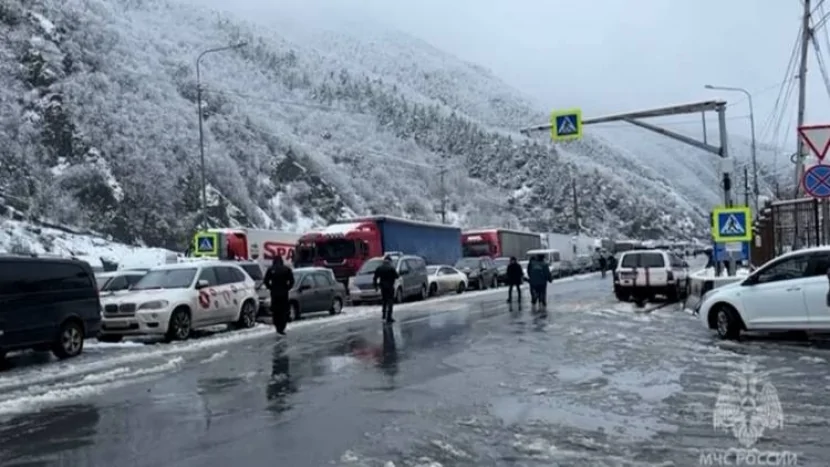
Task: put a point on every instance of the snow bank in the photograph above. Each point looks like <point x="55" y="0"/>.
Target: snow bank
<point x="24" y="238"/>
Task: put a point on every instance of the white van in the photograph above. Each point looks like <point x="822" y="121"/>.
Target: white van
<point x="552" y="257"/>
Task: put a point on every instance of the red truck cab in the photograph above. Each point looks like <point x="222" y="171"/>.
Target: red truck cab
<point x="341" y="247"/>
<point x="480" y="243"/>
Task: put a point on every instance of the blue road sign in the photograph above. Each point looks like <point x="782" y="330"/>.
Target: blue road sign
<point x="206" y="244"/>
<point x="723" y="251"/>
<point x="566" y="125"/>
<point x="816" y="181"/>
<point x="732" y="224"/>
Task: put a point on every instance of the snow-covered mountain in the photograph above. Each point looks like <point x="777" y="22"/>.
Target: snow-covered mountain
<point x="98" y="128"/>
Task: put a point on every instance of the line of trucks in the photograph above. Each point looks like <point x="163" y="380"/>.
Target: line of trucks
<point x="345" y="245"/>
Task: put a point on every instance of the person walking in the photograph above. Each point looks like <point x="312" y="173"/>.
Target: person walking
<point x="279" y="279"/>
<point x="385" y="277"/>
<point x="603" y="265"/>
<point x="539" y="276"/>
<point x="515" y="275"/>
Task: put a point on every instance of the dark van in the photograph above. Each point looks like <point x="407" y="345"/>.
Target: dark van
<point x="47" y="304"/>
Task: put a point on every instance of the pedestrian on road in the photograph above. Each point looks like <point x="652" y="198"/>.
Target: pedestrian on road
<point x="603" y="265"/>
<point x="539" y="276"/>
<point x="385" y="277"/>
<point x="515" y="275"/>
<point x="279" y="279"/>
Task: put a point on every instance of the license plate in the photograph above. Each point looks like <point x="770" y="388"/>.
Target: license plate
<point x="117" y="325"/>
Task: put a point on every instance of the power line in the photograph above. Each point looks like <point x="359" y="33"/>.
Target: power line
<point x="785" y="90"/>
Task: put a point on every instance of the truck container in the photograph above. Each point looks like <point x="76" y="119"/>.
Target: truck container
<point x="569" y="246"/>
<point x="345" y="245"/>
<point x="244" y="244"/>
<point x="497" y="243"/>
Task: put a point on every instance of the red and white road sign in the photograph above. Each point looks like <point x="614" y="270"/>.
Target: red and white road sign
<point x="817" y="138"/>
<point x="204" y="299"/>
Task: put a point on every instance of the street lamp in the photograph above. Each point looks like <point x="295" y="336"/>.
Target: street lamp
<point x="755" y="190"/>
<point x="201" y="131"/>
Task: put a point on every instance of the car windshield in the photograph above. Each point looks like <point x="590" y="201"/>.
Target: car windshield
<point x="166" y="279"/>
<point x="431" y="270"/>
<point x="336" y="249"/>
<point x="101" y="282"/>
<point x="254" y="271"/>
<point x="369" y="266"/>
<point x="467" y="263"/>
<point x="501" y="262"/>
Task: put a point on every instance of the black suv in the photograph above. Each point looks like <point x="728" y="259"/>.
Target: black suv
<point x="47" y="304"/>
<point x="481" y="271"/>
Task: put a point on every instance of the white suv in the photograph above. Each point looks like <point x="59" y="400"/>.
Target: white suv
<point x="647" y="273"/>
<point x="173" y="299"/>
<point x="788" y="293"/>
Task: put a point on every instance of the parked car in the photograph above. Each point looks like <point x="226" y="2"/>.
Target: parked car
<point x="315" y="290"/>
<point x="584" y="264"/>
<point x="646" y="273"/>
<point x="443" y="279"/>
<point x="501" y="266"/>
<point x="567" y="268"/>
<point x="414" y="280"/>
<point x="256" y="271"/>
<point x="47" y="304"/>
<point x="117" y="281"/>
<point x="174" y="299"/>
<point x="788" y="293"/>
<point x="480" y="270"/>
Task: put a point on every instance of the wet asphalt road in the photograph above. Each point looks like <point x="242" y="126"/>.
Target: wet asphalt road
<point x="459" y="383"/>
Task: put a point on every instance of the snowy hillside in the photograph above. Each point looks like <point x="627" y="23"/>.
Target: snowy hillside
<point x="98" y="127"/>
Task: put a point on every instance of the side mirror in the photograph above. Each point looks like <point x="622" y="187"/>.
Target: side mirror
<point x="304" y="287"/>
<point x="202" y="283"/>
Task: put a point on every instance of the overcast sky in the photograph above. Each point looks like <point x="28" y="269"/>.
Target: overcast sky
<point x="605" y="56"/>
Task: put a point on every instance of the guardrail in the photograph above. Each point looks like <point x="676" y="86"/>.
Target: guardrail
<point x="703" y="281"/>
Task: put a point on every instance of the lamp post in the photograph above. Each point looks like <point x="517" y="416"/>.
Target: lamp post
<point x="755" y="190"/>
<point x="201" y="131"/>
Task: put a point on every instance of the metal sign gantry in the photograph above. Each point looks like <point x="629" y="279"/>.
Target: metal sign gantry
<point x="633" y="118"/>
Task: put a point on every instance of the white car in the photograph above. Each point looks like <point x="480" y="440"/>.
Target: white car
<point x="788" y="293"/>
<point x="646" y="273"/>
<point x="117" y="281"/>
<point x="443" y="279"/>
<point x="174" y="299"/>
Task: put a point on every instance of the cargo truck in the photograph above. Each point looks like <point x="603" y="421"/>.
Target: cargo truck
<point x="345" y="245"/>
<point x="244" y="244"/>
<point x="569" y="246"/>
<point x="497" y="243"/>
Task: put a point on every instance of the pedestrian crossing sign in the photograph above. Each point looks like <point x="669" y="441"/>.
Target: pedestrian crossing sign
<point x="566" y="125"/>
<point x="732" y="224"/>
<point x="206" y="243"/>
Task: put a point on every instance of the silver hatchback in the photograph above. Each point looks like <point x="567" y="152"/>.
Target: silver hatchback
<point x="413" y="281"/>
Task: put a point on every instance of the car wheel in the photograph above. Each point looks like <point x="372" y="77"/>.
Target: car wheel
<point x="674" y="294"/>
<point x="424" y="293"/>
<point x="293" y="311"/>
<point x="70" y="340"/>
<point x="461" y="287"/>
<point x="399" y="295"/>
<point x="111" y="338"/>
<point x="180" y="325"/>
<point x="433" y="290"/>
<point x="336" y="306"/>
<point x="727" y="323"/>
<point x="482" y="284"/>
<point x="495" y="282"/>
<point x="247" y="316"/>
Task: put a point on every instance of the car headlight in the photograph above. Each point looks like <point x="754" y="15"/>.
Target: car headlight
<point x="154" y="305"/>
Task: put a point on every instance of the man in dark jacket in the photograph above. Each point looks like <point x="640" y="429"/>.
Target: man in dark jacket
<point x="515" y="275"/>
<point x="385" y="277"/>
<point x="538" y="274"/>
<point x="603" y="264"/>
<point x="279" y="279"/>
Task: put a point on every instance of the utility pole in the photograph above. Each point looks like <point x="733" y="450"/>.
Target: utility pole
<point x="576" y="205"/>
<point x="801" y="154"/>
<point x="443" y="206"/>
<point x="703" y="121"/>
<point x="201" y="131"/>
<point x="746" y="187"/>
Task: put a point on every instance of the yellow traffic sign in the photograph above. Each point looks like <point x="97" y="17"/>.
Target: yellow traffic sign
<point x="732" y="224"/>
<point x="566" y="125"/>
<point x="206" y="244"/>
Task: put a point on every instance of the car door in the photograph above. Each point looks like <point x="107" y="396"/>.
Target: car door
<point x="816" y="288"/>
<point x="324" y="290"/>
<point x="406" y="277"/>
<point x="773" y="297"/>
<point x="21" y="304"/>
<point x="216" y="312"/>
<point x="306" y="296"/>
<point x="445" y="279"/>
<point x="238" y="289"/>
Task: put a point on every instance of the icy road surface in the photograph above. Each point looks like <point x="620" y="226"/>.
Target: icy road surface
<point x="459" y="382"/>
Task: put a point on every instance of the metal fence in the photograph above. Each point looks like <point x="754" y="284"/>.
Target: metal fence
<point x="785" y="226"/>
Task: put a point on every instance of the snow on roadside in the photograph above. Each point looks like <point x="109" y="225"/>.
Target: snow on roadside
<point x="24" y="238"/>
